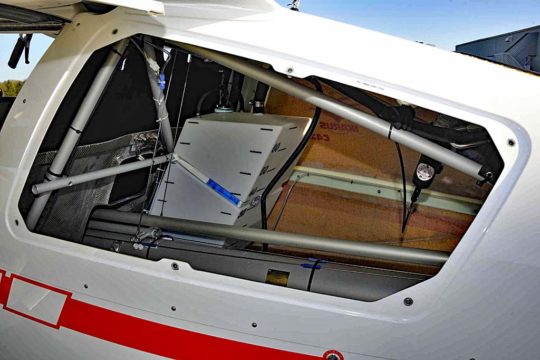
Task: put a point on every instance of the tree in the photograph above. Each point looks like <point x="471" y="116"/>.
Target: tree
<point x="11" y="88"/>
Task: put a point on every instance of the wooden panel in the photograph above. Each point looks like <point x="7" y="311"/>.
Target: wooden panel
<point x="339" y="214"/>
<point x="343" y="146"/>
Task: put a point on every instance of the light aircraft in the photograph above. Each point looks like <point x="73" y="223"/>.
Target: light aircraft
<point x="146" y="150"/>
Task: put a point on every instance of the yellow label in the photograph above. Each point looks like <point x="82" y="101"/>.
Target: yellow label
<point x="277" y="277"/>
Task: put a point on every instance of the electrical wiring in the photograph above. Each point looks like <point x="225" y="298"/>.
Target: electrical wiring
<point x="406" y="211"/>
<point x="282" y="209"/>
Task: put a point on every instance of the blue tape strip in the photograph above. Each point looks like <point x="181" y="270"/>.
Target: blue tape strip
<point x="310" y="266"/>
<point x="162" y="81"/>
<point x="223" y="192"/>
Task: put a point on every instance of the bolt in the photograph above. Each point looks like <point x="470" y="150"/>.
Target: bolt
<point x="173" y="308"/>
<point x="408" y="301"/>
<point x="174" y="266"/>
<point x="254" y="324"/>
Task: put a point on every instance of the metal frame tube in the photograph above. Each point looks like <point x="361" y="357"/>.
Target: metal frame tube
<point x="77" y="126"/>
<point x="355" y="248"/>
<point x="327" y="103"/>
<point x="49" y="186"/>
<point x="159" y="98"/>
<point x="116" y="228"/>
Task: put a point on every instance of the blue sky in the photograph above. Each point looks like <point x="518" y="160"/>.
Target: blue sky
<point x="444" y="23"/>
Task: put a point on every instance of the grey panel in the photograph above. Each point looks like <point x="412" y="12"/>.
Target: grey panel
<point x="342" y="280"/>
<point x="360" y="283"/>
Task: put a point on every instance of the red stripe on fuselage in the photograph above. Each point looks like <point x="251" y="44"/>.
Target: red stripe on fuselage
<point x="5" y="286"/>
<point x="161" y="339"/>
<point x="153" y="337"/>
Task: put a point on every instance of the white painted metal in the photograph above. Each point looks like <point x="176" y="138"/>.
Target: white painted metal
<point x="226" y="146"/>
<point x="484" y="302"/>
<point x="239" y="151"/>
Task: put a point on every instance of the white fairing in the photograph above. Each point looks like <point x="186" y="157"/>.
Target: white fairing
<point x="483" y="304"/>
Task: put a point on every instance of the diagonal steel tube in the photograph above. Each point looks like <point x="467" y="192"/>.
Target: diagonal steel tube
<point x="329" y="104"/>
<point x="349" y="247"/>
<point x="49" y="186"/>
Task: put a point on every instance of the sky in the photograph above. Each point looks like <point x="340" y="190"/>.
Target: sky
<point x="443" y="23"/>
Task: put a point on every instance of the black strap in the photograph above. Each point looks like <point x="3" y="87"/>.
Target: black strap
<point x="312" y="273"/>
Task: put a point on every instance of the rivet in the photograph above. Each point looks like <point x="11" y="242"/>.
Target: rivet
<point x="173" y="308"/>
<point x="511" y="142"/>
<point x="174" y="266"/>
<point x="86" y="286"/>
<point x="254" y="324"/>
<point x="290" y="70"/>
<point x="408" y="301"/>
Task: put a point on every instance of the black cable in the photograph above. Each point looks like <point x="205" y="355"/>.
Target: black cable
<point x="241" y="104"/>
<point x="260" y="97"/>
<point x="312" y="274"/>
<point x="202" y="99"/>
<point x="292" y="158"/>
<point x="403" y="117"/>
<point x="406" y="212"/>
<point x="404" y="216"/>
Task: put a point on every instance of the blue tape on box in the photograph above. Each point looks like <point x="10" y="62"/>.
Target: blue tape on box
<point x="223" y="192"/>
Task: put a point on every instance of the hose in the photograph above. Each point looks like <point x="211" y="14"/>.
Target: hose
<point x="202" y="99"/>
<point x="403" y="117"/>
<point x="292" y="158"/>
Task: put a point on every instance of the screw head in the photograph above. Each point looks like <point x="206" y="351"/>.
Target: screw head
<point x="333" y="355"/>
<point x="175" y="266"/>
<point x="408" y="301"/>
